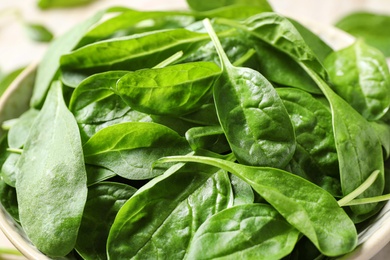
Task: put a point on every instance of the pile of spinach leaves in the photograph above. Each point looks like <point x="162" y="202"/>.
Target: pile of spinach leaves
<point x="220" y="132"/>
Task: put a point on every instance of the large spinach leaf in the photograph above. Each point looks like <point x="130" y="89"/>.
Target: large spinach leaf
<point x="360" y="75"/>
<point x="173" y="90"/>
<point x="252" y="115"/>
<point x="163" y="215"/>
<point x="52" y="171"/>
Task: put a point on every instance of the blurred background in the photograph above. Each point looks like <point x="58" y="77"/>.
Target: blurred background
<point x="27" y="26"/>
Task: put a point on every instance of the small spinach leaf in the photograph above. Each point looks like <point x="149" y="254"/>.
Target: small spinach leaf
<point x="130" y="149"/>
<point x="252" y="231"/>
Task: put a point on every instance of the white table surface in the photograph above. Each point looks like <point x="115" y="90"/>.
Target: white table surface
<point x="17" y="50"/>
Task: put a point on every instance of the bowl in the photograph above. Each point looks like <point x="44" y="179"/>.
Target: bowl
<point x="16" y="100"/>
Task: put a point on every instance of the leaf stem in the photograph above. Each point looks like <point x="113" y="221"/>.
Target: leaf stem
<point x="15" y="150"/>
<point x="225" y="62"/>
<point x="359" y="190"/>
<point x="169" y="60"/>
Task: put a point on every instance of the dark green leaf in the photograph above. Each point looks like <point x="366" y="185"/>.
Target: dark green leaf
<point x="19" y="132"/>
<point x="103" y="203"/>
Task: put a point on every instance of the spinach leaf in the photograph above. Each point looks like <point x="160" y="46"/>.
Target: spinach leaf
<point x="316" y="153"/>
<point x="281" y="69"/>
<point x="103" y="203"/>
<point x="133" y="52"/>
<point x="164" y="214"/>
<point x="318" y="215"/>
<point x="49" y="65"/>
<point x="278" y="31"/>
<point x="360" y="75"/>
<point x="94" y="101"/>
<point x="173" y="90"/>
<point x="18" y="133"/>
<point x="90" y="128"/>
<point x="130" y="149"/>
<point x="51" y="170"/>
<point x="9" y="169"/>
<point x="202" y="5"/>
<point x="370" y="26"/>
<point x="358" y="147"/>
<point x="252" y="115"/>
<point x="253" y="231"/>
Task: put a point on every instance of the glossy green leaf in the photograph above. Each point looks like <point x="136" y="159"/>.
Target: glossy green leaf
<point x="358" y="147"/>
<point x="360" y="75"/>
<point x="49" y="64"/>
<point x="90" y="128"/>
<point x="307" y="207"/>
<point x="130" y="149"/>
<point x="202" y="5"/>
<point x="161" y="218"/>
<point x="173" y="90"/>
<point x="316" y="151"/>
<point x="252" y="115"/>
<point x="132" y="52"/>
<point x="252" y="231"/>
<point x="103" y="203"/>
<point x="57" y="183"/>
<point x="280" y="68"/>
<point x="370" y="26"/>
<point x="94" y="101"/>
